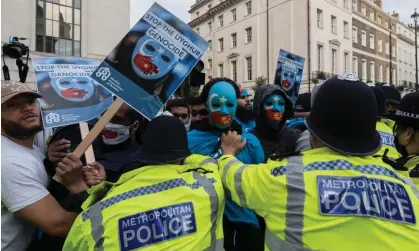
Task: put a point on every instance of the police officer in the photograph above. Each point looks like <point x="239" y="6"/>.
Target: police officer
<point x="393" y="98"/>
<point x="335" y="196"/>
<point x="175" y="202"/>
<point x="406" y="133"/>
<point x="383" y="128"/>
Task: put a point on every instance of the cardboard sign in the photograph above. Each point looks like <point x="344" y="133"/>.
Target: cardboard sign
<point x="70" y="95"/>
<point x="151" y="61"/>
<point x="289" y="72"/>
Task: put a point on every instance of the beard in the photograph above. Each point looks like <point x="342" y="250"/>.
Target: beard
<point x="17" y="131"/>
<point x="244" y="114"/>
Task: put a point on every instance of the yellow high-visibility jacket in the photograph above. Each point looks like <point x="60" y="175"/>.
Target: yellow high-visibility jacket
<point x="387" y="137"/>
<point x="323" y="200"/>
<point x="157" y="207"/>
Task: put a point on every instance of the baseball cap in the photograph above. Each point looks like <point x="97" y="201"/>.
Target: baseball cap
<point x="407" y="113"/>
<point x="10" y="89"/>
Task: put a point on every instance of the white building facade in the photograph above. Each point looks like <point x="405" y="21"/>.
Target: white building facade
<point x="245" y="38"/>
<point x="64" y="28"/>
<point x="406" y="56"/>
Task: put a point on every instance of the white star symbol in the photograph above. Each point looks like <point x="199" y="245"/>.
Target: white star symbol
<point x="223" y="100"/>
<point x="161" y="50"/>
<point x="275" y="98"/>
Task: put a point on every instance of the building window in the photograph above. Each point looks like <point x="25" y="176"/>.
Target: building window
<point x="380" y="45"/>
<point x="209" y="27"/>
<point x="249" y="69"/>
<point x="364" y="38"/>
<point x="372" y="41"/>
<point x="387" y="74"/>
<point x="220" y="21"/>
<point x="394" y="76"/>
<point x="334" y="61"/>
<point x="345" y="29"/>
<point x="234" y="70"/>
<point x="371" y="15"/>
<point x="379" y="20"/>
<point x="221" y="70"/>
<point x="386" y="23"/>
<point x="355" y="65"/>
<point x="234" y="15"/>
<point x="354" y="34"/>
<point x="249" y="35"/>
<point x="364" y="9"/>
<point x="234" y="40"/>
<point x="319" y="57"/>
<point x="372" y="71"/>
<point x="249" y="8"/>
<point x="58" y="27"/>
<point x="393" y="50"/>
<point x="355" y="4"/>
<point x="334" y="25"/>
<point x="210" y="64"/>
<point x="345" y="3"/>
<point x="387" y="48"/>
<point x="319" y="18"/>
<point x="380" y="73"/>
<point x="364" y="70"/>
<point x="346" y="61"/>
<point x="220" y="44"/>
<point x="209" y="45"/>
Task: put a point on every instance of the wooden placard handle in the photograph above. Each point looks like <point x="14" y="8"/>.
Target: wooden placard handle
<point x="84" y="131"/>
<point x="97" y="129"/>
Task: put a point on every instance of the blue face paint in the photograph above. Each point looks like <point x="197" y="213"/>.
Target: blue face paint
<point x="222" y="104"/>
<point x="150" y="60"/>
<point x="274" y="107"/>
<point x="75" y="89"/>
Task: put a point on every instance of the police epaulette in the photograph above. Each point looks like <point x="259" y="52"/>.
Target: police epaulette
<point x="283" y="156"/>
<point x="199" y="170"/>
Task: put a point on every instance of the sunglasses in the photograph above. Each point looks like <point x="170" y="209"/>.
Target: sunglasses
<point x="180" y="115"/>
<point x="202" y="113"/>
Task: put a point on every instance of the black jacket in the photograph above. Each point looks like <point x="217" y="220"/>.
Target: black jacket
<point x="282" y="140"/>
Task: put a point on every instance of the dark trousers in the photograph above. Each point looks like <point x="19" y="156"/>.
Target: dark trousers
<point x="240" y="236"/>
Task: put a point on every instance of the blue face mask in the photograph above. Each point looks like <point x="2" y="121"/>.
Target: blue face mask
<point x="222" y="104"/>
<point x="150" y="60"/>
<point x="274" y="108"/>
<point x="75" y="89"/>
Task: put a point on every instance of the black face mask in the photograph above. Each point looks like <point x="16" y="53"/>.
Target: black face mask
<point x="400" y="148"/>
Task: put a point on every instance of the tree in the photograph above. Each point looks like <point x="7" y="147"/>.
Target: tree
<point x="259" y="81"/>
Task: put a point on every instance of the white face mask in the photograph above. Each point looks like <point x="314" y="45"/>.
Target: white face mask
<point x="114" y="134"/>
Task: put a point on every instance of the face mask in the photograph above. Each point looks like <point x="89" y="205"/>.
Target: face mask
<point x="274" y="108"/>
<point x="222" y="104"/>
<point x="114" y="134"/>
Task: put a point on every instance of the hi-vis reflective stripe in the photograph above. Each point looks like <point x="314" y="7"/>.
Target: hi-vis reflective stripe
<point x="226" y="168"/>
<point x="215" y="203"/>
<point x="274" y="243"/>
<point x="295" y="201"/>
<point x="409" y="182"/>
<point x="95" y="211"/>
<point x="238" y="185"/>
<point x="207" y="161"/>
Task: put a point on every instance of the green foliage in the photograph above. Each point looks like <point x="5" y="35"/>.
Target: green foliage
<point x="259" y="81"/>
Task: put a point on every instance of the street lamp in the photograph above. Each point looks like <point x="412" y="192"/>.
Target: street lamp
<point x="415" y="18"/>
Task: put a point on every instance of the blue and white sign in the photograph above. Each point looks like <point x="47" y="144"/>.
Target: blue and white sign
<point x="289" y="73"/>
<point x="69" y="94"/>
<point x="388" y="139"/>
<point x="157" y="225"/>
<point x="362" y="196"/>
<point x="151" y="61"/>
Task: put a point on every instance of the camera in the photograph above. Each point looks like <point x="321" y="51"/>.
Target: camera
<point x="14" y="48"/>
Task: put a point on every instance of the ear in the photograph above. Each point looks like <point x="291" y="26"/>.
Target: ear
<point x="410" y="133"/>
<point x="136" y="125"/>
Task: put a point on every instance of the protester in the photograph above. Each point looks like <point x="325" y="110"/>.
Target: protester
<point x="244" y="114"/>
<point x="182" y="193"/>
<point x="241" y="225"/>
<point x="118" y="149"/>
<point x="335" y="187"/>
<point x="406" y="135"/>
<point x="180" y="110"/>
<point x="272" y="108"/>
<point x="26" y="202"/>
<point x="198" y="110"/>
<point x="385" y="131"/>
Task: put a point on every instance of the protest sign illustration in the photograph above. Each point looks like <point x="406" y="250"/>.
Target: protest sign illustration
<point x="70" y="95"/>
<point x="151" y="61"/>
<point x="289" y="73"/>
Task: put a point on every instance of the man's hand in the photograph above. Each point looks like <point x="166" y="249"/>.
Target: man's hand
<point x="69" y="172"/>
<point x="94" y="173"/>
<point x="231" y="143"/>
<point x="57" y="150"/>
